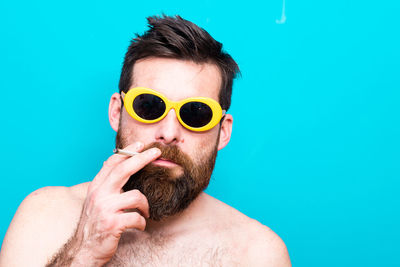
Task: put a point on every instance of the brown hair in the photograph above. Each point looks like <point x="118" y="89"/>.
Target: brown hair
<point x="174" y="37"/>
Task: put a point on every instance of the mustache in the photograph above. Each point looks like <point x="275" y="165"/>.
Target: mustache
<point x="171" y="152"/>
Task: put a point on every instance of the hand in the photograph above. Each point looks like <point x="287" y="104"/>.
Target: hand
<point x="103" y="217"/>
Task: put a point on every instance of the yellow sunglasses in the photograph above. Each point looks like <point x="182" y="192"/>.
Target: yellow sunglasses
<point x="194" y="113"/>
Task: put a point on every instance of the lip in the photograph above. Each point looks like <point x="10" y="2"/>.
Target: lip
<point x="165" y="162"/>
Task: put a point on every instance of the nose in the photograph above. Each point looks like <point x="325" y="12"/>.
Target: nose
<point x="169" y="130"/>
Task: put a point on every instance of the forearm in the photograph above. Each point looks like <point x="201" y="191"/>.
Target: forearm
<point x="72" y="254"/>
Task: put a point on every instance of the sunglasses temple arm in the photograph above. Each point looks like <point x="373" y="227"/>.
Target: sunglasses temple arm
<point x="223" y="116"/>
<point x="122" y="95"/>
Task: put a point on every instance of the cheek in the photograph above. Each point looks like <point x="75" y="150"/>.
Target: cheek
<point x="205" y="146"/>
<point x="133" y="130"/>
<point x="210" y="138"/>
<point x="137" y="134"/>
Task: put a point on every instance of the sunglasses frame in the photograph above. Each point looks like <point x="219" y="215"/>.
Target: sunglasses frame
<point x="217" y="112"/>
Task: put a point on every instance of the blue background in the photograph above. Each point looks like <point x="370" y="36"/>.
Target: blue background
<point x="315" y="148"/>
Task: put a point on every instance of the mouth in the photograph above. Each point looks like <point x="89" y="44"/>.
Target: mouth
<point x="165" y="162"/>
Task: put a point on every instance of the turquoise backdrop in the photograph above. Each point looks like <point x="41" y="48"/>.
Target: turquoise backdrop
<point x="315" y="148"/>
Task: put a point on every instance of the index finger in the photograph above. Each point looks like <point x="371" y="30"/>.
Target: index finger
<point x="111" y="162"/>
<point x="120" y="174"/>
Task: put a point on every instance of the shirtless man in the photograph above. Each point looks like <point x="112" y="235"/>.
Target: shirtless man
<point x="150" y="209"/>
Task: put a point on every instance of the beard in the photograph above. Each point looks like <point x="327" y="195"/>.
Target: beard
<point x="169" y="192"/>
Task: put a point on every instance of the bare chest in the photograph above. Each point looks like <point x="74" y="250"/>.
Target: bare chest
<point x="136" y="250"/>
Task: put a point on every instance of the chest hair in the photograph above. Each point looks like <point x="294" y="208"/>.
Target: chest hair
<point x="135" y="249"/>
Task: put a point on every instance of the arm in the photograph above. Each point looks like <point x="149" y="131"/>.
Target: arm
<point x="39" y="227"/>
<point x="70" y="254"/>
<point x="104" y="218"/>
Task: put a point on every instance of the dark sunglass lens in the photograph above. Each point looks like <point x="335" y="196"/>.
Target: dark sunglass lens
<point x="196" y="114"/>
<point x="148" y="106"/>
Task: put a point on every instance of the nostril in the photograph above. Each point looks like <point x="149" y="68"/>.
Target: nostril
<point x="167" y="141"/>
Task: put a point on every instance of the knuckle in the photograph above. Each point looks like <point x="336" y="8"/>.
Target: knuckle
<point x="135" y="221"/>
<point x="136" y="195"/>
<point x="97" y="202"/>
<point x="108" y="223"/>
<point x="138" y="219"/>
<point x="107" y="162"/>
<point x="119" y="172"/>
<point x="93" y="196"/>
<point x="142" y="223"/>
<point x="97" y="207"/>
<point x="110" y="161"/>
<point x="135" y="217"/>
<point x="135" y="192"/>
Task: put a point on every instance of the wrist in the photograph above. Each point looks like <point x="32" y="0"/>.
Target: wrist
<point x="83" y="256"/>
<point x="85" y="259"/>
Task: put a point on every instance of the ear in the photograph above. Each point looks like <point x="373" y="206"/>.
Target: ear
<point x="225" y="131"/>
<point x="114" y="111"/>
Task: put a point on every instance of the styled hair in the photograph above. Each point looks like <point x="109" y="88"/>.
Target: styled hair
<point x="177" y="38"/>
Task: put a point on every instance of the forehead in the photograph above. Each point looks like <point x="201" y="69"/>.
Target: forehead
<point x="177" y="79"/>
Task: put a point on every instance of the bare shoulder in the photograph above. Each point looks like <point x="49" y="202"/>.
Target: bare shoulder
<point x="44" y="221"/>
<point x="257" y="243"/>
<point x="265" y="247"/>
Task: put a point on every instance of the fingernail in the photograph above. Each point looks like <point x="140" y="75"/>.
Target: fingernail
<point x="154" y="151"/>
<point x="139" y="145"/>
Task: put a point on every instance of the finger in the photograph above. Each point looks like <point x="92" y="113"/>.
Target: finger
<point x="111" y="162"/>
<point x="133" y="199"/>
<point x="129" y="220"/>
<point x="121" y="173"/>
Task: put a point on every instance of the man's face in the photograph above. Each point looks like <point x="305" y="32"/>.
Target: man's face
<point x="184" y="169"/>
